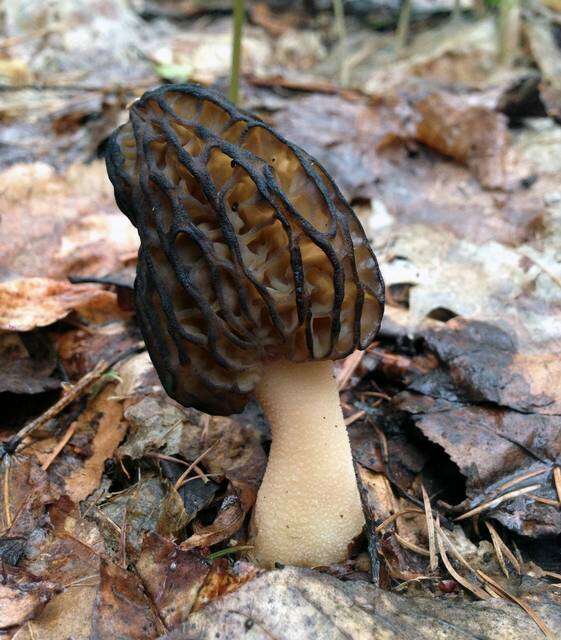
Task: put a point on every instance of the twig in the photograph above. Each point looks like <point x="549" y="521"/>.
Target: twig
<point x="6" y="492"/>
<point x="521" y="603"/>
<point x="60" y="446"/>
<point x="182" y="478"/>
<point x="467" y="584"/>
<point x="430" y="530"/>
<point x="70" y="394"/>
<point x="557" y="481"/>
<point x="501" y="547"/>
<point x="394" y="517"/>
<point x="356" y="416"/>
<point x="123" y="538"/>
<point x="349" y="367"/>
<point x="339" y="13"/>
<point x="521" y="478"/>
<point x="403" y="25"/>
<point x="496" y="540"/>
<point x="509" y="30"/>
<point x="411" y="546"/>
<point x="162" y="456"/>
<point x="548" y="501"/>
<point x="495" y="502"/>
<point x="382" y="439"/>
<point x="203" y="478"/>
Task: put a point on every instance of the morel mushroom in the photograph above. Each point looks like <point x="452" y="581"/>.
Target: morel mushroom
<point x="253" y="275"/>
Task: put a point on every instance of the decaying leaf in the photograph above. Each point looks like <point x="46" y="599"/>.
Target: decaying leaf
<point x="152" y="504"/>
<point x="59" y="225"/>
<point x="26" y="369"/>
<point x="24" y="492"/>
<point x="69" y="552"/>
<point x="98" y="433"/>
<point x="122" y="609"/>
<point x="22" y="597"/>
<point x="28" y="303"/>
<point x="172" y="577"/>
<point x="288" y="603"/>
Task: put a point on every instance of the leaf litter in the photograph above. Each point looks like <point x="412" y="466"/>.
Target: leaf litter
<point x="124" y="514"/>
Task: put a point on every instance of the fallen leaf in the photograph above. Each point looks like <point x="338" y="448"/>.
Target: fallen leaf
<point x="81" y="349"/>
<point x="521" y="443"/>
<point x="172" y="577"/>
<point x="24" y="493"/>
<point x="22" y="597"/>
<point x="105" y="416"/>
<point x="28" y="303"/>
<point x="469" y="133"/>
<point x="224" y="578"/>
<point x="282" y="604"/>
<point x="122" y="609"/>
<point x="24" y="370"/>
<point x="152" y="504"/>
<point x="69" y="552"/>
<point x="58" y="225"/>
<point x="230" y="518"/>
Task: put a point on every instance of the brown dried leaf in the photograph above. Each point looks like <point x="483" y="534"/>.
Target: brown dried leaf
<point x="384" y="150"/>
<point x="69" y="554"/>
<point x="151" y="505"/>
<point x="70" y="551"/>
<point x="22" y="596"/>
<point x="24" y="370"/>
<point x="230" y="518"/>
<point x="470" y="133"/>
<point x="469" y="433"/>
<point x="295" y="603"/>
<point x="105" y="416"/>
<point x="172" y="577"/>
<point x="122" y="609"/>
<point x="67" y="615"/>
<point x="81" y="349"/>
<point x="28" y="303"/>
<point x="24" y="492"/>
<point x="224" y="579"/>
<point x="59" y="225"/>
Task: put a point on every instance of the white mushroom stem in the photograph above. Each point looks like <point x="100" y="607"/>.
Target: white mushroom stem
<point x="308" y="507"/>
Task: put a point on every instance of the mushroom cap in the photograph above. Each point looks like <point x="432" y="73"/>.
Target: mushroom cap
<point x="249" y="252"/>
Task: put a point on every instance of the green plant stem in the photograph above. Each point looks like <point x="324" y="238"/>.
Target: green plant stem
<point x="239" y="14"/>
<point x="457" y="10"/>
<point x="341" y="29"/>
<point x="340" y="26"/>
<point x="228" y="550"/>
<point x="402" y="33"/>
<point x="509" y="30"/>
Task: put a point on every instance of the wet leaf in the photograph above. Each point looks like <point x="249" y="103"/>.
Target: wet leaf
<point x="122" y="609"/>
<point x="228" y="521"/>
<point x="150" y="505"/>
<point x="25" y="491"/>
<point x="59" y="225"/>
<point x="24" y="370"/>
<point x="22" y="597"/>
<point x="172" y="577"/>
<point x="28" y="303"/>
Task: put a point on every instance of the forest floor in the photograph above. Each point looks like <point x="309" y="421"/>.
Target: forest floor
<point x="452" y="161"/>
